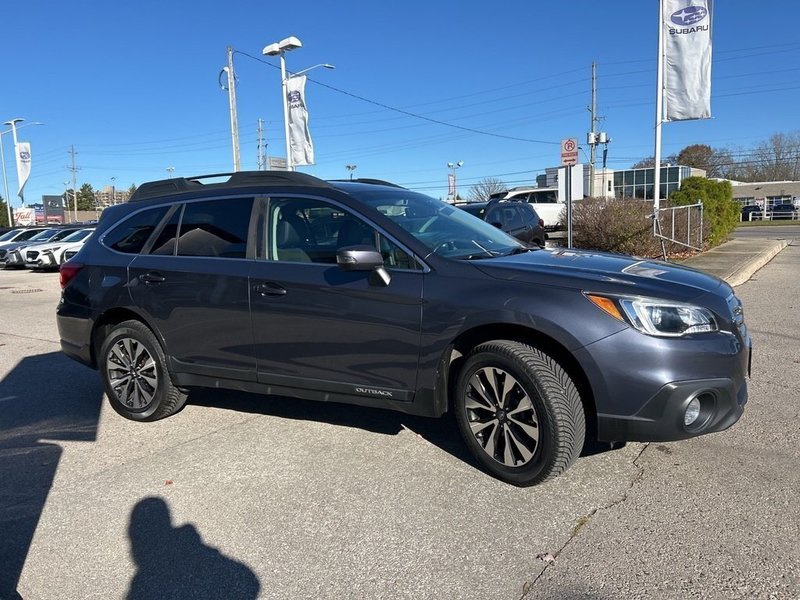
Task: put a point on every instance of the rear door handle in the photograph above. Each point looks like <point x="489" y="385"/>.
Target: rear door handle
<point x="269" y="289"/>
<point x="152" y="277"/>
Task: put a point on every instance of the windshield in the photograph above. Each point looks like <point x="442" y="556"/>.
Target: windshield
<point x="8" y="235"/>
<point x="27" y="235"/>
<point x="43" y="235"/>
<point x="442" y="228"/>
<point x="62" y="234"/>
<point x="78" y="236"/>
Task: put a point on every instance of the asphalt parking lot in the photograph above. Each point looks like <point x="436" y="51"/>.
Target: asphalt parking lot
<point x="240" y="496"/>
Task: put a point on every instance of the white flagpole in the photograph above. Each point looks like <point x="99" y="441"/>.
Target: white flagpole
<point x="659" y="112"/>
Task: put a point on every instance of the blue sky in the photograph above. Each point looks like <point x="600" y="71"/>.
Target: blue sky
<point x="133" y="86"/>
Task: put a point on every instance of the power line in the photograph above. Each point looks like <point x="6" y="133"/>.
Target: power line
<point x="411" y="114"/>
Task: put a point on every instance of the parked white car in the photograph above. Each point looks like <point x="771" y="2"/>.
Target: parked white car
<point x="50" y="256"/>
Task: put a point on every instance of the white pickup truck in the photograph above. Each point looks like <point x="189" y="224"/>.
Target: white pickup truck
<point x="544" y="200"/>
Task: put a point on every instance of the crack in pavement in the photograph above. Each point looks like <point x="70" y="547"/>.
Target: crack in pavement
<point x="27" y="337"/>
<point x="584" y="520"/>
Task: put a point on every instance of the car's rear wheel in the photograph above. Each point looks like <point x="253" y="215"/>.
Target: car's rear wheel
<point x="135" y="374"/>
<point x="519" y="412"/>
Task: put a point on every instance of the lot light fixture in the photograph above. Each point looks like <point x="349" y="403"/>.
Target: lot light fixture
<point x="280" y="49"/>
<point x="454" y="166"/>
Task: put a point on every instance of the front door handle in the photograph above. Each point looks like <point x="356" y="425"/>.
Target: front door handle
<point x="152" y="277"/>
<point x="269" y="289"/>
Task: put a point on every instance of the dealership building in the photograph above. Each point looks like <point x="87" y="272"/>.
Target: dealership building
<point x="774" y="192"/>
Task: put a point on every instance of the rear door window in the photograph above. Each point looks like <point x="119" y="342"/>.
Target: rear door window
<point x="216" y="228"/>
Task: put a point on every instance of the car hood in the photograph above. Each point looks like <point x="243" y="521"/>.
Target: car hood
<point x="604" y="272"/>
<point x="19" y="245"/>
<point x="60" y="245"/>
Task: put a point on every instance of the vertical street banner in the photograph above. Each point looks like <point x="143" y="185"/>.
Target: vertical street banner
<point x="23" y="154"/>
<point x="299" y="135"/>
<point x="451" y="185"/>
<point x="687" y="59"/>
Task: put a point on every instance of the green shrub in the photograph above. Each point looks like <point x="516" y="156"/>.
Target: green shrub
<point x="720" y="210"/>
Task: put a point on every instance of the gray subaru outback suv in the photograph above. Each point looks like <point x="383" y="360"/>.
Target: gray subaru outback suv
<point x="367" y="293"/>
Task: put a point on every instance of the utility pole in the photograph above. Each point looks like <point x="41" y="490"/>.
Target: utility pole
<point x="232" y="107"/>
<point x="261" y="145"/>
<point x="592" y="130"/>
<point x="74" y="170"/>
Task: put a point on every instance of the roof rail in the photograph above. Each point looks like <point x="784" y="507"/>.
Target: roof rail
<point x="369" y="181"/>
<point x="175" y="185"/>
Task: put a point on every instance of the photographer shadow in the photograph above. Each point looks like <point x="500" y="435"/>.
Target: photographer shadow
<point x="173" y="562"/>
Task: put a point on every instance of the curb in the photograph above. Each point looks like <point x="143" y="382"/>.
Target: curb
<point x="747" y="270"/>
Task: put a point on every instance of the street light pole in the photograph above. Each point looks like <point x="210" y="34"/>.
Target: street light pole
<point x="289" y="165"/>
<point x="5" y="182"/>
<point x="12" y="122"/>
<point x="454" y="166"/>
<point x="279" y="49"/>
<point x="351" y="168"/>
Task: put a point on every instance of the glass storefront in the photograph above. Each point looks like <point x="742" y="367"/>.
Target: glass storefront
<point x="639" y="183"/>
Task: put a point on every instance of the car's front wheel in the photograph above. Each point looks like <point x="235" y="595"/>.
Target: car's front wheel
<point x="135" y="375"/>
<point x="519" y="412"/>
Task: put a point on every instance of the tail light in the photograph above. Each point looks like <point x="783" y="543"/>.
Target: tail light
<point x="67" y="272"/>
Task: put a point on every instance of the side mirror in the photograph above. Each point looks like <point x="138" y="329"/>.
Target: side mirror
<point x="358" y="258"/>
<point x="364" y="258"/>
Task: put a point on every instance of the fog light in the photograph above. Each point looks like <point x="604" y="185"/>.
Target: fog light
<point x="692" y="412"/>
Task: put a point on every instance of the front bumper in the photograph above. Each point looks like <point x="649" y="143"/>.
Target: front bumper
<point x="661" y="418"/>
<point x="42" y="260"/>
<point x="642" y="385"/>
<point x="13" y="259"/>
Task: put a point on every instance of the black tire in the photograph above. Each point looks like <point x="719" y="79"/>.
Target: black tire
<point x="139" y="389"/>
<point x="515" y="444"/>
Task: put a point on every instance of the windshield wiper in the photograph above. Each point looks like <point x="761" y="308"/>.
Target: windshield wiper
<point x="519" y="250"/>
<point x="479" y="256"/>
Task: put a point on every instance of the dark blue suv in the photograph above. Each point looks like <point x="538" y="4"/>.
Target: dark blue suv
<point x="367" y="293"/>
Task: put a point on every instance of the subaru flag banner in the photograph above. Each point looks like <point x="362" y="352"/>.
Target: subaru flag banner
<point x="23" y="152"/>
<point x="302" y="147"/>
<point x="687" y="59"/>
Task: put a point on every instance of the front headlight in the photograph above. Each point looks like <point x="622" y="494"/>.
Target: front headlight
<point x="656" y="317"/>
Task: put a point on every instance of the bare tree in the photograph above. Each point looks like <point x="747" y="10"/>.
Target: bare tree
<point x="481" y="191"/>
<point x="776" y="159"/>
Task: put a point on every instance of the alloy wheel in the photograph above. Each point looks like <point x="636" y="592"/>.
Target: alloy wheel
<point x="132" y="374"/>
<point x="502" y="417"/>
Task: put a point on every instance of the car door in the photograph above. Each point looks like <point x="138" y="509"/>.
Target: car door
<point x="510" y="220"/>
<point x="191" y="282"/>
<point x="319" y="327"/>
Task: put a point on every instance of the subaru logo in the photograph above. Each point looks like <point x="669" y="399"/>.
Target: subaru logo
<point x="25" y="155"/>
<point x="689" y="15"/>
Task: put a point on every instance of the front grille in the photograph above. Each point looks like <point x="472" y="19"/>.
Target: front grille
<point x="2" y="254"/>
<point x="69" y="254"/>
<point x="32" y="254"/>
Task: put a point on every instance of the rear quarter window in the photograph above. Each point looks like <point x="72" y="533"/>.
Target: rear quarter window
<point x="130" y="235"/>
